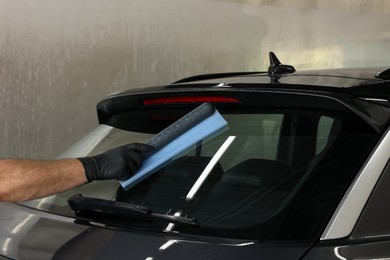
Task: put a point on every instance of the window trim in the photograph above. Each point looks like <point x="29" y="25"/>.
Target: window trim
<point x="347" y="214"/>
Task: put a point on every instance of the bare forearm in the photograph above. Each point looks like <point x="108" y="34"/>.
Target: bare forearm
<point x="22" y="180"/>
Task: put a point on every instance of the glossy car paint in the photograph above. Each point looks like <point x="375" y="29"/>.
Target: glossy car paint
<point x="342" y="250"/>
<point x="44" y="236"/>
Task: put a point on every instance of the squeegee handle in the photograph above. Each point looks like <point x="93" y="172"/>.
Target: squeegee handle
<point x="181" y="126"/>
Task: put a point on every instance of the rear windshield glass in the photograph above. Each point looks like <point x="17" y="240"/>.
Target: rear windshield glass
<point x="280" y="179"/>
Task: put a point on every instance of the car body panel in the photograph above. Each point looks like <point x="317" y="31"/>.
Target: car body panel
<point x="349" y="249"/>
<point x="39" y="235"/>
<point x="334" y="79"/>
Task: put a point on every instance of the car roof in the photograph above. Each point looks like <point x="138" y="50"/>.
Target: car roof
<point x="286" y="74"/>
<point x="366" y="91"/>
<point x="338" y="78"/>
<point x="358" y="82"/>
<point x="374" y="81"/>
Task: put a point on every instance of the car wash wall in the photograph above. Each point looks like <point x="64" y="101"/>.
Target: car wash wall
<point x="59" y="58"/>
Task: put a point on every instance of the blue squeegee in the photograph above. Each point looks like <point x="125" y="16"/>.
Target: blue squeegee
<point x="197" y="125"/>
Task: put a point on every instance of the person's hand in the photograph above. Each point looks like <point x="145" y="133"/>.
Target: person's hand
<point x="118" y="163"/>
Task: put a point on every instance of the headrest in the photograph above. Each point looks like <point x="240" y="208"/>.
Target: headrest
<point x="258" y="172"/>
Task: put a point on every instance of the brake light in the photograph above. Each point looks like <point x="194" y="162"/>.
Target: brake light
<point x="189" y="99"/>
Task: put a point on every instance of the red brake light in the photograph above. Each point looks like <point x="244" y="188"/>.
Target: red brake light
<point x="189" y="99"/>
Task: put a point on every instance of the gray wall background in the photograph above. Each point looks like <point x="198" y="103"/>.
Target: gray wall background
<point x="59" y="58"/>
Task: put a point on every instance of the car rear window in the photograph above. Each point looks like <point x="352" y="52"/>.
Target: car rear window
<point x="280" y="179"/>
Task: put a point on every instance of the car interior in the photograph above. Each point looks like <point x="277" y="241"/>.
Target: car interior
<point x="257" y="182"/>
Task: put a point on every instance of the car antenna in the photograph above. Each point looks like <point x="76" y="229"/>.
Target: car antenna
<point x="276" y="69"/>
<point x="383" y="74"/>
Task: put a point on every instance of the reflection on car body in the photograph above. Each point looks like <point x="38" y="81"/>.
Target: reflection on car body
<point x="304" y="175"/>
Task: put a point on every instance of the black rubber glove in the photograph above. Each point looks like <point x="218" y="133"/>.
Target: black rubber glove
<point x="118" y="163"/>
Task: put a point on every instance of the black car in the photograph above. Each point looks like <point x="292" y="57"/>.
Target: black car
<point x="306" y="176"/>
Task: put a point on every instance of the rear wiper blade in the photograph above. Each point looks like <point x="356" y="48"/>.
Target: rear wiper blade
<point x="118" y="213"/>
